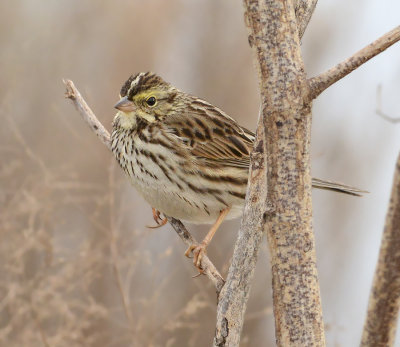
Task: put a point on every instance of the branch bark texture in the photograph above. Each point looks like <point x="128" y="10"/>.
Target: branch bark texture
<point x="304" y="10"/>
<point x="384" y="301"/>
<point x="278" y="200"/>
<point x="87" y="114"/>
<point x="89" y="117"/>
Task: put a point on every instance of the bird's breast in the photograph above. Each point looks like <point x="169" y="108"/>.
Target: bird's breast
<point x="170" y="180"/>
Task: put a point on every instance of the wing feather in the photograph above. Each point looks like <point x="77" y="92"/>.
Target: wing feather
<point x="212" y="136"/>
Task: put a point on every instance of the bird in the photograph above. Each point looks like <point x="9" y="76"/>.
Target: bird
<point x="186" y="157"/>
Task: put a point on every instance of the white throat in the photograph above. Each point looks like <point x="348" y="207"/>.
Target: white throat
<point x="126" y="120"/>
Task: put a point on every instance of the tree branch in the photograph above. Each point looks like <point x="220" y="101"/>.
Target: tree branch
<point x="235" y="293"/>
<point x="323" y="81"/>
<point x="87" y="114"/>
<point x="304" y="10"/>
<point x="278" y="199"/>
<point x="384" y="301"/>
<point x="206" y="264"/>
<point x="89" y="117"/>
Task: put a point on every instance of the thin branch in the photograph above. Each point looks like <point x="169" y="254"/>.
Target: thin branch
<point x="379" y="111"/>
<point x="89" y="117"/>
<point x="393" y="120"/>
<point x="209" y="269"/>
<point x="28" y="149"/>
<point x="321" y="82"/>
<point x="384" y="301"/>
<point x="304" y="10"/>
<point x="235" y="293"/>
<point x="86" y="113"/>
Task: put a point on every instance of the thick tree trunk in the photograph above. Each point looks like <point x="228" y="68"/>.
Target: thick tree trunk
<point x="279" y="198"/>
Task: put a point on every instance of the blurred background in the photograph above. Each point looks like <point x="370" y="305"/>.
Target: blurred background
<point x="78" y="267"/>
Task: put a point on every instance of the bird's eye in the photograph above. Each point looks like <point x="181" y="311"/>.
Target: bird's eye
<point x="151" y="101"/>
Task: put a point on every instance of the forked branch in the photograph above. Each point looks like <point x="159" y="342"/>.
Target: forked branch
<point x="278" y="199"/>
<point x="323" y="81"/>
<point x="304" y="10"/>
<point x="89" y="117"/>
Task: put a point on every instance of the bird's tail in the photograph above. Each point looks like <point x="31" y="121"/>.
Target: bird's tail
<point x="337" y="187"/>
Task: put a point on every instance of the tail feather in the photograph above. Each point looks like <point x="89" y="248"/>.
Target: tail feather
<point x="337" y="187"/>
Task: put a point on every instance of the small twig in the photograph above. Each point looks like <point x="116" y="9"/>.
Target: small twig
<point x="321" y="82"/>
<point x="89" y="117"/>
<point x="304" y="10"/>
<point x="384" y="301"/>
<point x="379" y="111"/>
<point x="86" y="113"/>
<point x="28" y="149"/>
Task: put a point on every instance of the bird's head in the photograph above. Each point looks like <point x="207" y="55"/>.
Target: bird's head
<point x="146" y="96"/>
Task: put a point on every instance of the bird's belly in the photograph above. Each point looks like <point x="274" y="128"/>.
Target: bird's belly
<point x="186" y="206"/>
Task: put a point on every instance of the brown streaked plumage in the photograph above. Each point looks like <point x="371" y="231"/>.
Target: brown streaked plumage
<point x="186" y="157"/>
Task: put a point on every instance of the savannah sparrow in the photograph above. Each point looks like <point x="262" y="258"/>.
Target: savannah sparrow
<point x="186" y="157"/>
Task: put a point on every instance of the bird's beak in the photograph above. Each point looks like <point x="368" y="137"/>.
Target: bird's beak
<point x="125" y="105"/>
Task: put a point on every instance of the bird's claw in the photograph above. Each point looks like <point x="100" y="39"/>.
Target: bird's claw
<point x="198" y="250"/>
<point x="157" y="217"/>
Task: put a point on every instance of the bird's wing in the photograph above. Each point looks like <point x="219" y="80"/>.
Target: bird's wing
<point x="212" y="136"/>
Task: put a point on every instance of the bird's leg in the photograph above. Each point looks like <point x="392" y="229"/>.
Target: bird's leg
<point x="160" y="221"/>
<point x="199" y="249"/>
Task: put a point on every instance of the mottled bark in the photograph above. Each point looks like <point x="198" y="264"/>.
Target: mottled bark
<point x="278" y="200"/>
<point x="89" y="117"/>
<point x="279" y="196"/>
<point x="235" y="293"/>
<point x="384" y="301"/>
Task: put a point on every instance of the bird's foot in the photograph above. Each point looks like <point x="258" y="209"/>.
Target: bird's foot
<point x="157" y="217"/>
<point x="198" y="250"/>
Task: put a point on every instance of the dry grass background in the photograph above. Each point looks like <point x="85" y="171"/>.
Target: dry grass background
<point x="77" y="265"/>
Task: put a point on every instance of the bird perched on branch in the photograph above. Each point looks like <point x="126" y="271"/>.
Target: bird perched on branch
<point x="186" y="157"/>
